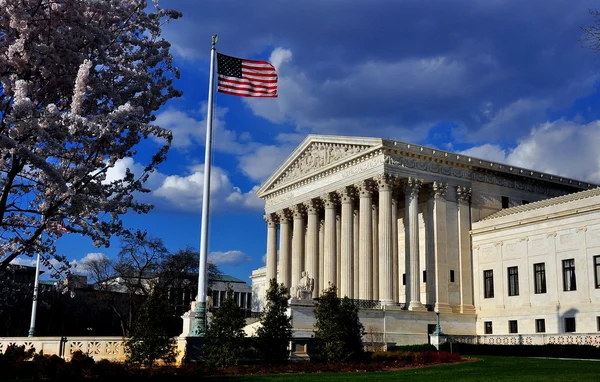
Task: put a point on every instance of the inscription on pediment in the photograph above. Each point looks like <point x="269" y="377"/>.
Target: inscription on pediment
<point x="318" y="155"/>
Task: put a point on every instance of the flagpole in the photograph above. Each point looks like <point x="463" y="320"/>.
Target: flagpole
<point x="199" y="328"/>
<point x="35" y="297"/>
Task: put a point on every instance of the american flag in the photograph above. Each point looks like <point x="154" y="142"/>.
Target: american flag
<point x="246" y="78"/>
<point x="59" y="226"/>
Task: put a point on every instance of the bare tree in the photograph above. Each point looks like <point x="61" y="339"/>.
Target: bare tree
<point x="591" y="33"/>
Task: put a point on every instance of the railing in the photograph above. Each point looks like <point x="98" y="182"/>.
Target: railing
<point x="109" y="348"/>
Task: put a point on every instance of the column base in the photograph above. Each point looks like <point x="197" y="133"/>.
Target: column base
<point x="416" y="306"/>
<point x="467" y="309"/>
<point x="387" y="302"/>
<point x="442" y="307"/>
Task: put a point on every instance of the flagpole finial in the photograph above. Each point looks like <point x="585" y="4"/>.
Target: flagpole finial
<point x="215" y="38"/>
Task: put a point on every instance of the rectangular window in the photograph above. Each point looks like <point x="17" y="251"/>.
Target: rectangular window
<point x="249" y="301"/>
<point x="539" y="277"/>
<point x="424" y="276"/>
<point x="512" y="326"/>
<point x="488" y="327"/>
<point x="404" y="279"/>
<point x="597" y="271"/>
<point x="513" y="281"/>
<point x="488" y="283"/>
<point x="540" y="325"/>
<point x="221" y="297"/>
<point x="215" y="297"/>
<point x="569" y="324"/>
<point x="569" y="282"/>
<point x="598" y="322"/>
<point x="451" y="275"/>
<point x="236" y="298"/>
<point x="505" y="202"/>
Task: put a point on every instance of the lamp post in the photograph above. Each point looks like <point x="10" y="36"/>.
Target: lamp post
<point x="438" y="328"/>
<point x="35" y="297"/>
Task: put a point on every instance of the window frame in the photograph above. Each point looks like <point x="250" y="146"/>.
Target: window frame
<point x="568" y="321"/>
<point x="513" y="280"/>
<point x="596" y="265"/>
<point x="488" y="283"/>
<point x="539" y="284"/>
<point x="540" y="328"/>
<point x="569" y="275"/>
<point x="487" y="327"/>
<point x="513" y="327"/>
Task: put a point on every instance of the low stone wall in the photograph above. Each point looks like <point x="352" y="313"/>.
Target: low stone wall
<point x="530" y="339"/>
<point x="109" y="348"/>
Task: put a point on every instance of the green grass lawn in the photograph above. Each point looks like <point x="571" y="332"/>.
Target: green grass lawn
<point x="487" y="368"/>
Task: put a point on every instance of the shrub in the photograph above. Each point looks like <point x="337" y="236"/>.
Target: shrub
<point x="275" y="332"/>
<point x="338" y="331"/>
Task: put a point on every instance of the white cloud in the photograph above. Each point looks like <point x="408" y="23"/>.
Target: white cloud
<point x="78" y="266"/>
<point x="228" y="258"/>
<point x="184" y="192"/>
<point x="560" y="147"/>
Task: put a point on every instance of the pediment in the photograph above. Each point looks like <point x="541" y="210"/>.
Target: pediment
<point x="315" y="154"/>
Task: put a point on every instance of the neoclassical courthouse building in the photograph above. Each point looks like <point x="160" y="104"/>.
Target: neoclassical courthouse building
<point x="504" y="254"/>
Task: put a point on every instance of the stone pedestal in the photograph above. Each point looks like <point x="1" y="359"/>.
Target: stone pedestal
<point x="438" y="339"/>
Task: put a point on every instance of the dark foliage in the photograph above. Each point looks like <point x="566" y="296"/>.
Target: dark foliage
<point x="276" y="328"/>
<point x="224" y="338"/>
<point x="338" y="330"/>
<point x="548" y="350"/>
<point x="19" y="364"/>
<point x="150" y="340"/>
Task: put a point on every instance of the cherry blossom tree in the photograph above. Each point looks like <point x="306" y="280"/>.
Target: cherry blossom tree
<point x="80" y="81"/>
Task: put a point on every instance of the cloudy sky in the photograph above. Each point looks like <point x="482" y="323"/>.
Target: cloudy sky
<point x="508" y="81"/>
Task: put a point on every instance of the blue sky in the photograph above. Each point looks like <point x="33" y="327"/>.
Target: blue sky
<point x="508" y="81"/>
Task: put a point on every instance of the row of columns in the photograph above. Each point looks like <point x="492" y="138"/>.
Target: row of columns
<point x="366" y="269"/>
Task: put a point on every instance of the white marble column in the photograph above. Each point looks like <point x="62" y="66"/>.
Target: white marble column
<point x="312" y="243"/>
<point x="321" y="254"/>
<point x="440" y="243"/>
<point x="355" y="261"/>
<point x="285" y="248"/>
<point x="386" y="258"/>
<point x="338" y="248"/>
<point x="413" y="275"/>
<point x="298" y="244"/>
<point x="365" y="253"/>
<point x="375" y="233"/>
<point x="329" y="242"/>
<point x="271" y="220"/>
<point x="463" y="195"/>
<point x="346" y="289"/>
<point x="395" y="280"/>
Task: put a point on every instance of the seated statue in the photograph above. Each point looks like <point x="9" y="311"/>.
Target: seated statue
<point x="305" y="287"/>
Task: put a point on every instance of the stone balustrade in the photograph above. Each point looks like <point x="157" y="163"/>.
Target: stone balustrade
<point x="109" y="348"/>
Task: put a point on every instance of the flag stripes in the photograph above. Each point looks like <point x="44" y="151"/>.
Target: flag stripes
<point x="246" y="78"/>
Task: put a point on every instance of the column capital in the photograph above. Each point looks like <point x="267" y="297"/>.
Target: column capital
<point x="365" y="188"/>
<point x="385" y="181"/>
<point x="329" y="200"/>
<point x="438" y="190"/>
<point x="284" y="215"/>
<point x="463" y="194"/>
<point x="346" y="194"/>
<point x="312" y="206"/>
<point x="272" y="219"/>
<point x="412" y="186"/>
<point x="299" y="210"/>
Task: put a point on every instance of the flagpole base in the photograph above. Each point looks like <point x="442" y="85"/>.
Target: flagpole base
<point x="199" y="321"/>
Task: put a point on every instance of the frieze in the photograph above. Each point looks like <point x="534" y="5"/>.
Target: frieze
<point x="316" y="156"/>
<point x="436" y="168"/>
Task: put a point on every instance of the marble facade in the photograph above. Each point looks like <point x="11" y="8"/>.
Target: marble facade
<point x="389" y="222"/>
